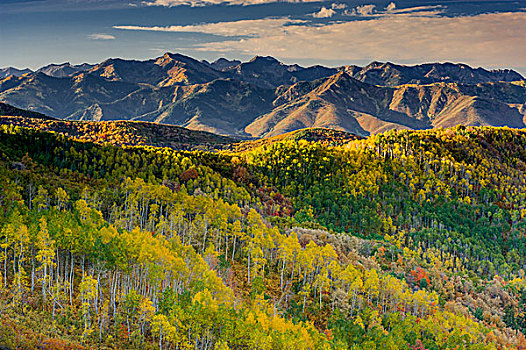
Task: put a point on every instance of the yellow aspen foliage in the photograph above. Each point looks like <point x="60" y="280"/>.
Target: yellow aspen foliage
<point x="359" y="322"/>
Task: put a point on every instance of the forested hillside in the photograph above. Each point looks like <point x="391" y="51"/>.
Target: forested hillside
<point x="119" y="133"/>
<point x="404" y="240"/>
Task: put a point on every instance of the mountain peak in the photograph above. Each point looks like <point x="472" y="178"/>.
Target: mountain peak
<point x="222" y="64"/>
<point x="339" y="80"/>
<point x="110" y="61"/>
<point x="5" y="72"/>
<point x="63" y="70"/>
<point x="390" y="74"/>
<point x="377" y="64"/>
<point x="178" y="57"/>
<point x="264" y="59"/>
<point x="173" y="55"/>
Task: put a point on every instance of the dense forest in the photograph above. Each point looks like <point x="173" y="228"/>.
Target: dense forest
<point x="122" y="133"/>
<point x="404" y="240"/>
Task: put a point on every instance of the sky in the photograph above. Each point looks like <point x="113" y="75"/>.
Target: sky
<point x="490" y="34"/>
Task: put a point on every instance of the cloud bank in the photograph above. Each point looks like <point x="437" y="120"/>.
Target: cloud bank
<point x="250" y="28"/>
<point x="491" y="40"/>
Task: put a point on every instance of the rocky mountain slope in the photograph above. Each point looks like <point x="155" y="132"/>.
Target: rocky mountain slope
<point x="5" y="72"/>
<point x="265" y="97"/>
<point x="342" y="102"/>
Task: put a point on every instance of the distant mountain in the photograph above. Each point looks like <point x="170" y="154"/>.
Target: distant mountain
<point x="265" y="97"/>
<point x="268" y="72"/>
<point x="64" y="69"/>
<point x="389" y="74"/>
<point x="344" y="103"/>
<point x="338" y="102"/>
<point x="167" y="70"/>
<point x="70" y="97"/>
<point x="5" y="72"/>
<point x="223" y="106"/>
<point x="222" y="64"/>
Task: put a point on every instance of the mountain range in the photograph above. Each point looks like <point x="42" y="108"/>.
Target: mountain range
<point x="264" y="97"/>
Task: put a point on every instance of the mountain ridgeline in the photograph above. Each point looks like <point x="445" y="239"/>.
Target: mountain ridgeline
<point x="264" y="97"/>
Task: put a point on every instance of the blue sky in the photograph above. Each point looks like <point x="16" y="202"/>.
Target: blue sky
<point x="491" y="34"/>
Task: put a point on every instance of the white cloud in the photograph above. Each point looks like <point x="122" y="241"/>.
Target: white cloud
<point x="490" y="40"/>
<point x="99" y="36"/>
<point x="372" y="11"/>
<point x="338" y="6"/>
<point x="390" y="7"/>
<point x="246" y="28"/>
<point x="324" y="13"/>
<point x="364" y="10"/>
<point x="195" y="3"/>
<point x="418" y="9"/>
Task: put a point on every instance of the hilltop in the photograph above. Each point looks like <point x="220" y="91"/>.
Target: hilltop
<point x="328" y="137"/>
<point x="8" y="110"/>
<point x="124" y="133"/>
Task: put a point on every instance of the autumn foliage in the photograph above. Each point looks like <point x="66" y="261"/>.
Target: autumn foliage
<point x="405" y="240"/>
